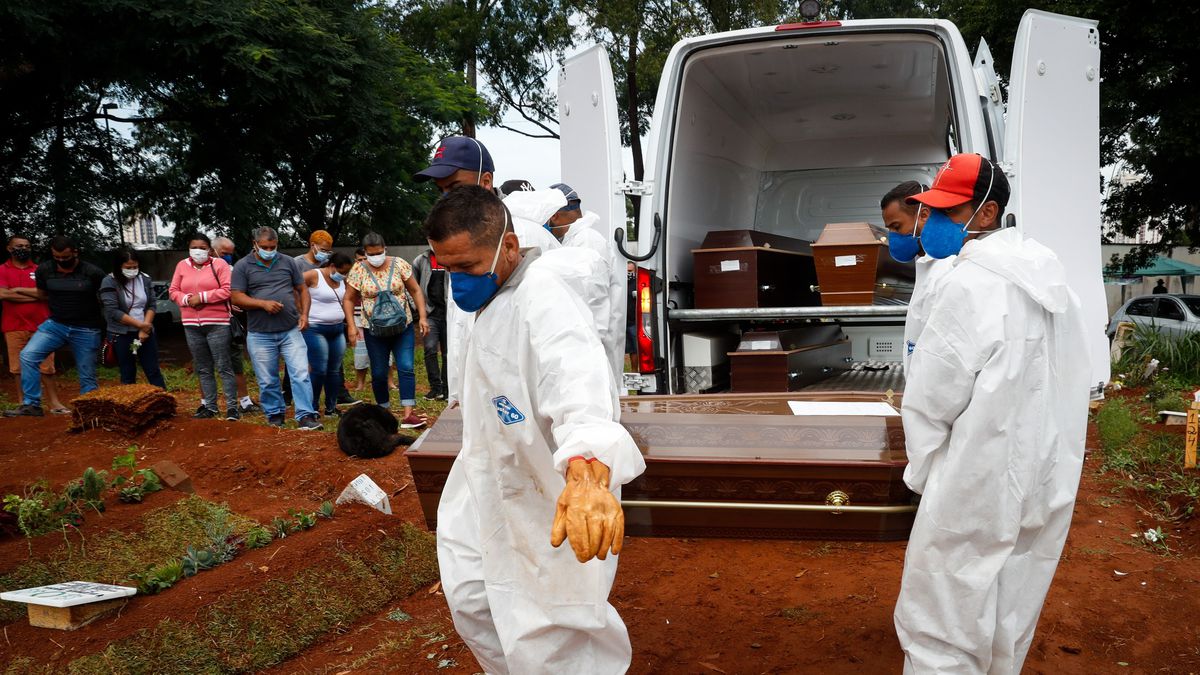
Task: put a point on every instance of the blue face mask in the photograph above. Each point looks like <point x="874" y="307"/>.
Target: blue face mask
<point x="472" y="291"/>
<point x="267" y="255"/>
<point x="338" y="277"/>
<point x="227" y="258"/>
<point x="903" y="247"/>
<point x="322" y="256"/>
<point x="549" y="227"/>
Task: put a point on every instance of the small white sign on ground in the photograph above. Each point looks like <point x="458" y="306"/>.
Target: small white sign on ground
<point x="68" y="594"/>
<point x="364" y="490"/>
<point x="843" y="408"/>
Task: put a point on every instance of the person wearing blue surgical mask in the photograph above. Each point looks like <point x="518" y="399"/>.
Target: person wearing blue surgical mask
<point x="542" y="460"/>
<point x="320" y="249"/>
<point x="904" y="222"/>
<point x="995" y="419"/>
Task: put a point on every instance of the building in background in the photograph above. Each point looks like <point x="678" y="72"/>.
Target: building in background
<point x="142" y="231"/>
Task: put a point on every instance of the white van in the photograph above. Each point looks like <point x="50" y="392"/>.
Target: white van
<point x="785" y="129"/>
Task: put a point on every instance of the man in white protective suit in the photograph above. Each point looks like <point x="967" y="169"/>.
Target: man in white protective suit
<point x="462" y="160"/>
<point x="995" y="416"/>
<point x="575" y="228"/>
<point x="542" y="461"/>
<point x="903" y="222"/>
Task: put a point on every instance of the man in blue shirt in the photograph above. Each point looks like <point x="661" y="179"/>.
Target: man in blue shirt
<point x="270" y="287"/>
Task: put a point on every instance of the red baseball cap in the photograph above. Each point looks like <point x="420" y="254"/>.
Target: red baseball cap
<point x="964" y="178"/>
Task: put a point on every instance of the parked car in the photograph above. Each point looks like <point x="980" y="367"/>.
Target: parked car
<point x="1172" y="314"/>
<point x="165" y="308"/>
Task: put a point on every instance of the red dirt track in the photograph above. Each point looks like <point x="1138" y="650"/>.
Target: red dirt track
<point x="692" y="606"/>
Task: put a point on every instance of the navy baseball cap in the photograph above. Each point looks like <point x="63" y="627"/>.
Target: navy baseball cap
<point x="454" y="153"/>
<point x="572" y="196"/>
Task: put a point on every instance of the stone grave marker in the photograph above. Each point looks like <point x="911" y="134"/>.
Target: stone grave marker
<point x="71" y="604"/>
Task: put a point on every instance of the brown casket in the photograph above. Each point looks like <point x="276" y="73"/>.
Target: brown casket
<point x="847" y="260"/>
<point x="747" y="268"/>
<point x="787" y="360"/>
<point x="737" y="466"/>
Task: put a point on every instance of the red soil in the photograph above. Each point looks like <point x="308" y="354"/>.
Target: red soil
<point x="692" y="606"/>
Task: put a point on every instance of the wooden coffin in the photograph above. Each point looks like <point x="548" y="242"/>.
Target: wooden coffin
<point x="737" y="466"/>
<point x="788" y="360"/>
<point x="847" y="260"/>
<point x="747" y="268"/>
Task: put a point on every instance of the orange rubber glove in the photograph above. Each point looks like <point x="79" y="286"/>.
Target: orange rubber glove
<point x="588" y="514"/>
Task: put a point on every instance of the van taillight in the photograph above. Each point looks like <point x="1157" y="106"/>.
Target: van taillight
<point x="808" y="24"/>
<point x="645" y="321"/>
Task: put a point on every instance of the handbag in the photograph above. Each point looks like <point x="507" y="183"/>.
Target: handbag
<point x="108" y="351"/>
<point x="237" y="330"/>
<point x="387" y="316"/>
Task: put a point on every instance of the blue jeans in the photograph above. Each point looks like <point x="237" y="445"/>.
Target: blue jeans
<point x="147" y="356"/>
<point x="52" y="335"/>
<point x="265" y="350"/>
<point x="326" y="346"/>
<point x="400" y="346"/>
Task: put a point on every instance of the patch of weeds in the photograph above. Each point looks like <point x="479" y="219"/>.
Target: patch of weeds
<point x="399" y="615"/>
<point x="180" y="379"/>
<point x="255" y="628"/>
<point x="799" y="614"/>
<point x="160" y="578"/>
<point x="282" y="527"/>
<point x="1155" y="540"/>
<point x="1107" y="502"/>
<point x="326" y="510"/>
<point x="1116" y="425"/>
<point x="116" y="557"/>
<point x="257" y="537"/>
<point x="303" y="521"/>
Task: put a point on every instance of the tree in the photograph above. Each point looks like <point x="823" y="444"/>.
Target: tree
<point x="514" y="44"/>
<point x="1149" y="106"/>
<point x="303" y="114"/>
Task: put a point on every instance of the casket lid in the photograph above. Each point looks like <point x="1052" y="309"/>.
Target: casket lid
<point x="849" y="234"/>
<point x="724" y="240"/>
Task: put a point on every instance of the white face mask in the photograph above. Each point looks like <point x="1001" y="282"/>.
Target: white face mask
<point x="198" y="255"/>
<point x="376" y="260"/>
<point x="130" y="273"/>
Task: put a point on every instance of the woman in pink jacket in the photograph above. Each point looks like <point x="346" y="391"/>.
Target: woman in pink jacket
<point x="200" y="287"/>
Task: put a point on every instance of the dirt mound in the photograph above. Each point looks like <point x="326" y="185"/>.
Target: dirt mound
<point x="126" y="409"/>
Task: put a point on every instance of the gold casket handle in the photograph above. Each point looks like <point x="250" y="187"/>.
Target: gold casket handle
<point x="837" y="499"/>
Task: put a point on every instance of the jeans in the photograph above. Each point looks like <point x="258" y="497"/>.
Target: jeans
<point x="265" y="350"/>
<point x="435" y="343"/>
<point x="52" y="335"/>
<point x="401" y="346"/>
<point x="326" y="345"/>
<point x="147" y="356"/>
<point x="212" y="355"/>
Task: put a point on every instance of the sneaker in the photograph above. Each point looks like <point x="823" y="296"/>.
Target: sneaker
<point x="252" y="409"/>
<point x="309" y="423"/>
<point x="333" y="412"/>
<point x="345" y="398"/>
<point x="433" y="396"/>
<point x="353" y="401"/>
<point x="412" y="422"/>
<point x="440" y="397"/>
<point x="232" y="414"/>
<point x="275" y="421"/>
<point x="205" y="413"/>
<point x="27" y="410"/>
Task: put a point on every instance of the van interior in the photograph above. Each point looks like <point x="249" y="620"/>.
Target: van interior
<point x="787" y="135"/>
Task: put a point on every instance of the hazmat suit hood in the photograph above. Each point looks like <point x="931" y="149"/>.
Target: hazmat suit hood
<point x="536" y="206"/>
<point x="1026" y="263"/>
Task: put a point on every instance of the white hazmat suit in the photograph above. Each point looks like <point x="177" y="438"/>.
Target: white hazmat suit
<point x="535" y="393"/>
<point x="584" y="234"/>
<point x="929" y="273"/>
<point x="529" y="209"/>
<point x="995" y="416"/>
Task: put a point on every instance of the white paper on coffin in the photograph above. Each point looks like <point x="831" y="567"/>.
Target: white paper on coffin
<point x="839" y="408"/>
<point x="364" y="490"/>
<point x="68" y="594"/>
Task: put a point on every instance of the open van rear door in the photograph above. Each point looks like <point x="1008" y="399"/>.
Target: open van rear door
<point x="991" y="99"/>
<point x="1052" y="147"/>
<point x="590" y="146"/>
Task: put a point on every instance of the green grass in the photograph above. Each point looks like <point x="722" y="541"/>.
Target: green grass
<point x="1180" y="356"/>
<point x="255" y="628"/>
<point x="112" y="557"/>
<point x="1147" y="462"/>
